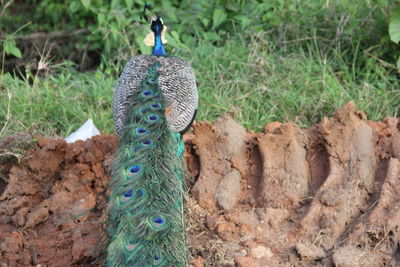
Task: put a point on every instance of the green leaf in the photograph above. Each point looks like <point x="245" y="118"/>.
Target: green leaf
<point x="235" y="7"/>
<point x="74" y="6"/>
<point x="11" y="48"/>
<point x="129" y="3"/>
<point x="172" y="16"/>
<point x="101" y="18"/>
<point x="205" y="21"/>
<point x="173" y="38"/>
<point x="86" y="3"/>
<point x="114" y="4"/>
<point x="244" y="21"/>
<point x="394" y="25"/>
<point x="94" y="46"/>
<point x="211" y="36"/>
<point x="219" y="16"/>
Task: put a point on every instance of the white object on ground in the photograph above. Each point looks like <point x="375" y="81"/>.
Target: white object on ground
<point x="86" y="131"/>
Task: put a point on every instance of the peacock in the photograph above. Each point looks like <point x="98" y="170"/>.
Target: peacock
<point x="154" y="103"/>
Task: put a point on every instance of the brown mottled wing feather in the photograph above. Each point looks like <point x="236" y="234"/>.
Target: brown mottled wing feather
<point x="177" y="82"/>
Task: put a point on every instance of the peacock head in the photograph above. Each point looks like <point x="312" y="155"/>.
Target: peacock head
<point x="157" y="27"/>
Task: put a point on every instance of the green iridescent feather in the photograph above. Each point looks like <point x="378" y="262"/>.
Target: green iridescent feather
<point x="146" y="226"/>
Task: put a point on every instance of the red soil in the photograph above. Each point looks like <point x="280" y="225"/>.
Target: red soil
<point x="328" y="195"/>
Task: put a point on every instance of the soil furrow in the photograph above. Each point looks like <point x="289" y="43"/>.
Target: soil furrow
<point x="328" y="195"/>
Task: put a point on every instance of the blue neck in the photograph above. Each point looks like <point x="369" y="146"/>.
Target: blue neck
<point x="158" y="49"/>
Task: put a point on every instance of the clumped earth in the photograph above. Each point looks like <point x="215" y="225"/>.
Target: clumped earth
<point x="328" y="195"/>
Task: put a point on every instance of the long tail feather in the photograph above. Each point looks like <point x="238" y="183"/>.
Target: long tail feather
<point x="146" y="213"/>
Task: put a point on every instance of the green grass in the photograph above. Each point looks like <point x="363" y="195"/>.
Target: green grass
<point x="255" y="82"/>
<point x="300" y="70"/>
<point x="56" y="105"/>
<point x="261" y="85"/>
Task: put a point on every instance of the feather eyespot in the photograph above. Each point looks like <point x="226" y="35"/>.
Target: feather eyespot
<point x="152" y="80"/>
<point x="141" y="131"/>
<point x="147" y="93"/>
<point x="147" y="142"/>
<point x="127" y="195"/>
<point x="155" y="106"/>
<point x="157" y="260"/>
<point x="158" y="222"/>
<point x="133" y="171"/>
<point x="152" y="118"/>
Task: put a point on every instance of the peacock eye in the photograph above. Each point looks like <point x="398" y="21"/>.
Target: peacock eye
<point x="147" y="143"/>
<point x="129" y="193"/>
<point x="152" y="80"/>
<point x="157" y="223"/>
<point x="147" y="93"/>
<point x="158" y="220"/>
<point x="157" y="260"/>
<point x="153" y="117"/>
<point x="141" y="130"/>
<point x="134" y="169"/>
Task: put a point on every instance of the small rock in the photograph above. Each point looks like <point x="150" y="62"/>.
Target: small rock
<point x="245" y="230"/>
<point x="329" y="198"/>
<point x="11" y="244"/>
<point x="227" y="231"/>
<point x="309" y="251"/>
<point x="228" y="191"/>
<point x="244" y="262"/>
<point x="212" y="221"/>
<point x="19" y="217"/>
<point x="41" y="214"/>
<point x="273" y="217"/>
<point x="197" y="262"/>
<point x="270" y="127"/>
<point x="261" y="251"/>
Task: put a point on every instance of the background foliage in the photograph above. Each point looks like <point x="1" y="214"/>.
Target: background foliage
<point x="263" y="60"/>
<point x="115" y="28"/>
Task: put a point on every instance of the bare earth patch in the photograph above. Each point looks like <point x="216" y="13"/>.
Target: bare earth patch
<point x="328" y="195"/>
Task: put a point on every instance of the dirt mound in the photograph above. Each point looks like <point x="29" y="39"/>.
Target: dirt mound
<point x="43" y="210"/>
<point x="322" y="196"/>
